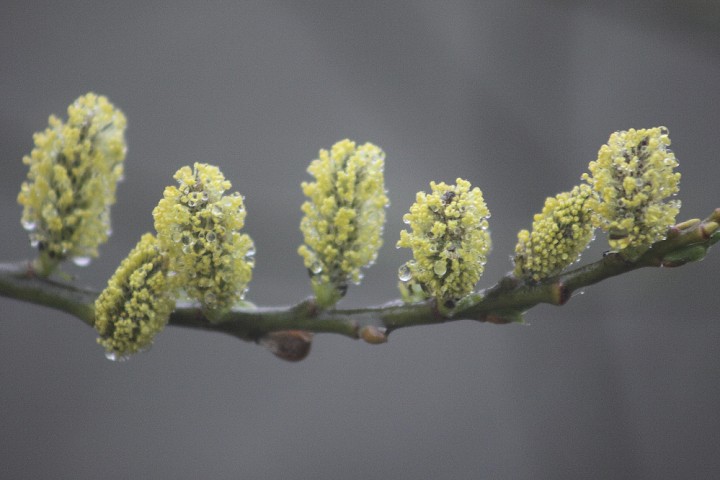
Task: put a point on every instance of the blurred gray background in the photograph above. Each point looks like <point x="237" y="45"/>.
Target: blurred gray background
<point x="516" y="96"/>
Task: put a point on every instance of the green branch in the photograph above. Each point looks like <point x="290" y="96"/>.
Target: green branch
<point x="503" y="303"/>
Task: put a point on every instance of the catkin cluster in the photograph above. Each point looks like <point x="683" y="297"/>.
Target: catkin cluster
<point x="625" y="195"/>
<point x="200" y="252"/>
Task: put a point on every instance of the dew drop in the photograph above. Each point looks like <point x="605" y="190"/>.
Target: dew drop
<point x="440" y="268"/>
<point x="217" y="210"/>
<point x="251" y="252"/>
<point x="210" y="237"/>
<point x="81" y="261"/>
<point x="404" y="273"/>
<point x="116" y="357"/>
<point x="187" y="239"/>
<point x="316" y="268"/>
<point x="29" y="225"/>
<point x="210" y="299"/>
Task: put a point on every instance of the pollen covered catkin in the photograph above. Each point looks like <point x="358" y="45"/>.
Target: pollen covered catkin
<point x="136" y="303"/>
<point x="198" y="226"/>
<point x="74" y="169"/>
<point x="343" y="217"/>
<point x="450" y="240"/>
<point x="632" y="178"/>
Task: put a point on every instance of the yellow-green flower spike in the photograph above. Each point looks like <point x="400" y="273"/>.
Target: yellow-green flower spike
<point x="559" y="235"/>
<point x="344" y="217"/>
<point x="74" y="170"/>
<point x="632" y="177"/>
<point x="137" y="302"/>
<point x="449" y="240"/>
<point x="199" y="228"/>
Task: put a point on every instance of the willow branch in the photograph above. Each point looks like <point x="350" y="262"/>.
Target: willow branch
<point x="503" y="303"/>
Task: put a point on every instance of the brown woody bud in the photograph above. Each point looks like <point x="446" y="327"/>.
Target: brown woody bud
<point x="290" y="345"/>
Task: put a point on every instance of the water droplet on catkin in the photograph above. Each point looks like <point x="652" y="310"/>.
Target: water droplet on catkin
<point x="187" y="239"/>
<point x="210" y="299"/>
<point x="81" y="261"/>
<point x="116" y="357"/>
<point x="440" y="268"/>
<point x="29" y="225"/>
<point x="404" y="273"/>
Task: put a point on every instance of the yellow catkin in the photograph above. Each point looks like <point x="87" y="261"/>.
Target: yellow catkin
<point x="343" y="216"/>
<point x="559" y="235"/>
<point x="449" y="239"/>
<point x="74" y="169"/>
<point x="198" y="226"/>
<point x="136" y="303"/>
<point x="632" y="178"/>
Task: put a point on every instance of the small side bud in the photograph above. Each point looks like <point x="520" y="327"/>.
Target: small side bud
<point x="373" y="335"/>
<point x="450" y="241"/>
<point x="410" y="291"/>
<point x="709" y="228"/>
<point x="137" y="302"/>
<point x="290" y="345"/>
<point x="687" y="224"/>
<point x="344" y="217"/>
<point x="74" y="169"/>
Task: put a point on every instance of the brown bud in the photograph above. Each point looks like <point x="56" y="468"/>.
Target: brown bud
<point x="290" y="345"/>
<point x="374" y="335"/>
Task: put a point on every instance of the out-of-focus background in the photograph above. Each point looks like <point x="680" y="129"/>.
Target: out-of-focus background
<point x="515" y="96"/>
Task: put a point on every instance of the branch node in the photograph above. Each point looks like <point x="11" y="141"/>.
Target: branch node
<point x="561" y="293"/>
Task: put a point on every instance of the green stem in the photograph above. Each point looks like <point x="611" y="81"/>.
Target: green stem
<point x="503" y="303"/>
<point x="19" y="281"/>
